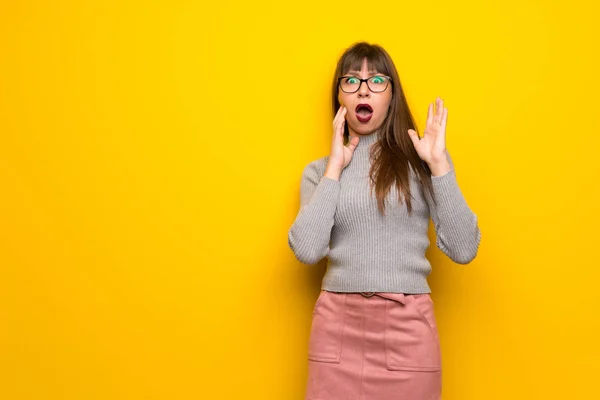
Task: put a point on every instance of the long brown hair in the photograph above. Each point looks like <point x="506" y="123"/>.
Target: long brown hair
<point x="394" y="150"/>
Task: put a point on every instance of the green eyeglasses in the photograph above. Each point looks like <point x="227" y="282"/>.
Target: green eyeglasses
<point x="376" y="84"/>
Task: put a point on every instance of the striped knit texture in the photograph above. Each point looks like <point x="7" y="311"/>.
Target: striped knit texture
<point x="368" y="252"/>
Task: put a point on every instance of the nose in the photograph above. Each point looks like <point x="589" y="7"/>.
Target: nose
<point x="363" y="90"/>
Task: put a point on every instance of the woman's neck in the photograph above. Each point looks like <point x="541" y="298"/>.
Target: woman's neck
<point x="365" y="140"/>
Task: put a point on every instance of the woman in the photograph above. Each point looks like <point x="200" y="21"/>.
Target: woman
<point x="366" y="206"/>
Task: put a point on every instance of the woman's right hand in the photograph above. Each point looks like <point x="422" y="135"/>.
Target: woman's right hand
<point x="340" y="155"/>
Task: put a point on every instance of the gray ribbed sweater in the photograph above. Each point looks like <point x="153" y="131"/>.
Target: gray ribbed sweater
<point x="368" y="252"/>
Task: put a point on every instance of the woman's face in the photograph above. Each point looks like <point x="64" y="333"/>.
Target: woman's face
<point x="359" y="118"/>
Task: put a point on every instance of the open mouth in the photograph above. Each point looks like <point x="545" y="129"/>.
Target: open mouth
<point x="364" y="112"/>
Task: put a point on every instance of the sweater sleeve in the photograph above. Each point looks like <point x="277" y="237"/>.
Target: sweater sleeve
<point x="309" y="235"/>
<point x="457" y="231"/>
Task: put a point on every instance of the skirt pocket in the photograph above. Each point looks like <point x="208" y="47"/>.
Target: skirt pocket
<point x="325" y="342"/>
<point x="411" y="338"/>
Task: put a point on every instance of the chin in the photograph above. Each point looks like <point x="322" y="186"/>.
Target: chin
<point x="365" y="129"/>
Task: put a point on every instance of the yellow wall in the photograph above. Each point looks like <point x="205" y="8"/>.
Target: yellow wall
<point x="150" y="160"/>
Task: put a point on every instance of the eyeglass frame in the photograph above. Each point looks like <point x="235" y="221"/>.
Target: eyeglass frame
<point x="366" y="80"/>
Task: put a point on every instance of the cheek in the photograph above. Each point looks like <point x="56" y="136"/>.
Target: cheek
<point x="386" y="105"/>
<point x="342" y="98"/>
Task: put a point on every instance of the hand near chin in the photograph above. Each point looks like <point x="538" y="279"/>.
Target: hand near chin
<point x="341" y="154"/>
<point x="432" y="146"/>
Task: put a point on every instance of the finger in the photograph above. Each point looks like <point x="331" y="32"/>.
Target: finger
<point x="435" y="118"/>
<point x="430" y="114"/>
<point x="341" y="113"/>
<point x="353" y="143"/>
<point x="339" y="116"/>
<point x="339" y="127"/>
<point x="445" y="117"/>
<point x="440" y="110"/>
<point x="414" y="136"/>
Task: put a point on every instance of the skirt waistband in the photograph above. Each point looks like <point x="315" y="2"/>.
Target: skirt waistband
<point x="399" y="297"/>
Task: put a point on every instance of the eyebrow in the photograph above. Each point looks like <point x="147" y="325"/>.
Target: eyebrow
<point x="356" y="73"/>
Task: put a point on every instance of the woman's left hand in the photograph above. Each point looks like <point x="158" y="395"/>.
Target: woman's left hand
<point x="432" y="146"/>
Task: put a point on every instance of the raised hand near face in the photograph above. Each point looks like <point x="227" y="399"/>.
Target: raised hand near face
<point x="341" y="154"/>
<point x="432" y="146"/>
